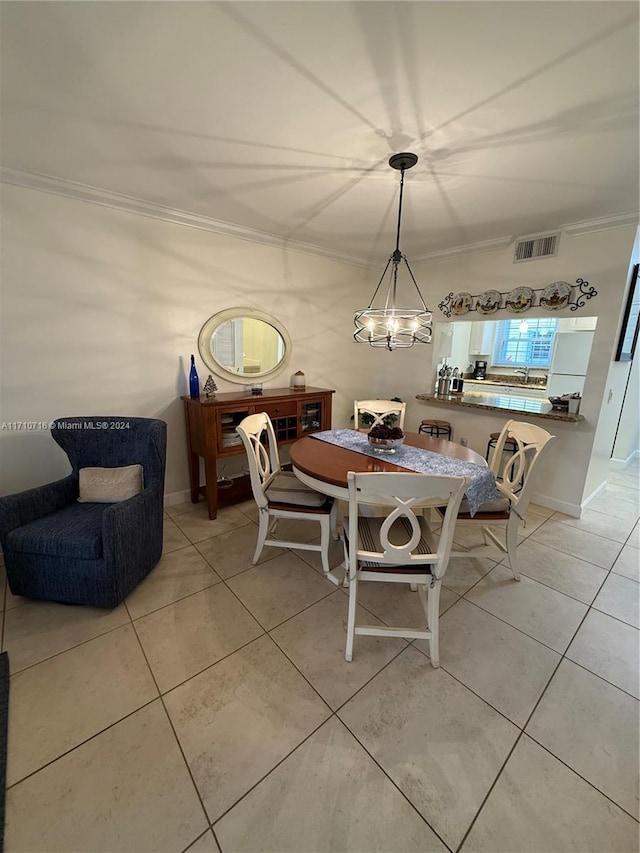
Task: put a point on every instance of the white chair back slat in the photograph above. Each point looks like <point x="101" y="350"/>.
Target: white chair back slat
<point x="379" y="410"/>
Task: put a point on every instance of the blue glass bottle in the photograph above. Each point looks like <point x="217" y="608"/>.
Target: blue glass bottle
<point x="194" y="382"/>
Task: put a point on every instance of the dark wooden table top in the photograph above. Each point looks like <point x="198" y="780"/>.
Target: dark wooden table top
<point x="330" y="463"/>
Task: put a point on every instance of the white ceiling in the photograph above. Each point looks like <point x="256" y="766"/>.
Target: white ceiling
<point x="281" y="116"/>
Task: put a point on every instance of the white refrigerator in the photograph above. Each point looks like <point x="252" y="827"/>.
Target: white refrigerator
<point x="569" y="363"/>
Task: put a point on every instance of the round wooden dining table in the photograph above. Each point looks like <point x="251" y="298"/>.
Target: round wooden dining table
<point x="324" y="466"/>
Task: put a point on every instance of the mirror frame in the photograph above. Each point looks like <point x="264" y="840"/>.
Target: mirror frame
<point x="209" y="329"/>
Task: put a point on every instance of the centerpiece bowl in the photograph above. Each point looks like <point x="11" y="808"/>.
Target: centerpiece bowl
<point x="385" y="445"/>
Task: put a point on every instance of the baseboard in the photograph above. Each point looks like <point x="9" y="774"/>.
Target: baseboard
<point x="236" y="488"/>
<point x="174" y="498"/>
<point x="594" y="494"/>
<point x="567" y="508"/>
<point x="621" y="464"/>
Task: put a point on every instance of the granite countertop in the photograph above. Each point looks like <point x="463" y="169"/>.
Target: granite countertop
<point x="502" y="403"/>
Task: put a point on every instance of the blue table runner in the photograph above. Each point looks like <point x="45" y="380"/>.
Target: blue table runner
<point x="483" y="484"/>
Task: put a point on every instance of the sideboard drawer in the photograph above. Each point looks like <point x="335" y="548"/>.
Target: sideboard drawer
<point x="286" y="409"/>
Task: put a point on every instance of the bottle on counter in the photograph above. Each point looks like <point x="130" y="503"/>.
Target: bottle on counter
<point x="457" y="381"/>
<point x="194" y="382"/>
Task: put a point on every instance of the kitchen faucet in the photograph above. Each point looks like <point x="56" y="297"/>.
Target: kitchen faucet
<point x="524" y="372"/>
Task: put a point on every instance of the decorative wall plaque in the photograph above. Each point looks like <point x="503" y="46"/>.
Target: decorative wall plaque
<point x="553" y="297"/>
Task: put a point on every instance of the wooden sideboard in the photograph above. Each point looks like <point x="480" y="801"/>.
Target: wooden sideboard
<point x="211" y="432"/>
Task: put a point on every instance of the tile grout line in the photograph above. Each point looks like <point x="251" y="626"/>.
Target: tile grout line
<point x="580" y="776"/>
<point x="333" y="714"/>
<point x="81" y="743"/>
<point x="199" y="838"/>
<point x="491" y="787"/>
<point x="518" y="739"/>
<point x="392" y="781"/>
<point x="175" y="734"/>
<point x="69" y="648"/>
<point x="272" y="769"/>
<point x="528" y="720"/>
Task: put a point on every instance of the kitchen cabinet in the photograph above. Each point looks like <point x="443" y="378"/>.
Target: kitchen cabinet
<point x="211" y="432"/>
<point x="581" y="324"/>
<point x="481" y="338"/>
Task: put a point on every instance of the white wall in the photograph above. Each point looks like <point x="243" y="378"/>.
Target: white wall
<point x="602" y="258"/>
<point x="101" y="310"/>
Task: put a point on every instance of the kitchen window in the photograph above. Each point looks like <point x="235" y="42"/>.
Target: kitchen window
<point x="524" y="343"/>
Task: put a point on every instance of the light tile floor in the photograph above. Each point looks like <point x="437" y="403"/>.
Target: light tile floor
<point x="213" y="710"/>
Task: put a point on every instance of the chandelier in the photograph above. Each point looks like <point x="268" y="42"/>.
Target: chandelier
<point x="388" y="325"/>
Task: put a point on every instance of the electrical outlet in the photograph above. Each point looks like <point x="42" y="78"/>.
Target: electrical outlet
<point x="464" y="442"/>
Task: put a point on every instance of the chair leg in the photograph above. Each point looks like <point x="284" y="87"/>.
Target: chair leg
<point x="512" y="545"/>
<point x="433" y="621"/>
<point x="325" y="535"/>
<point x="345" y="560"/>
<point x="333" y="517"/>
<point x="263" y="529"/>
<point x="351" y="622"/>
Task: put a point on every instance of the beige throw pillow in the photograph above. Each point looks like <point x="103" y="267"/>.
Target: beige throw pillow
<point x="109" y="485"/>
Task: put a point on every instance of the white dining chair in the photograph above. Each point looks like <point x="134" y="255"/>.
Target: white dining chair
<point x="279" y="494"/>
<point x="379" y="410"/>
<point x="515" y="483"/>
<point x="399" y="547"/>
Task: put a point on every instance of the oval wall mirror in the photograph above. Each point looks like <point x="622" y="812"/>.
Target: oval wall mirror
<point x="244" y="345"/>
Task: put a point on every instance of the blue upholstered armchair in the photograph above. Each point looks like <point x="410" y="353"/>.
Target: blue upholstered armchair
<point x="58" y="549"/>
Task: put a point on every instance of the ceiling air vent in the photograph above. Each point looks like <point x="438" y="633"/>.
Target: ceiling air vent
<point x="532" y="248"/>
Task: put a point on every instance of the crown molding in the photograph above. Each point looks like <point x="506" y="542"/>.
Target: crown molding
<point x="470" y="248"/>
<point x="604" y="223"/>
<point x="574" y="229"/>
<point x="106" y="198"/>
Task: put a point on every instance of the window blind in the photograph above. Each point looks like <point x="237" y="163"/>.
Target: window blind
<point x="522" y="343"/>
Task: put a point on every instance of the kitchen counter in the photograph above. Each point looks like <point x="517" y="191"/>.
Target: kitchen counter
<point x="503" y="403"/>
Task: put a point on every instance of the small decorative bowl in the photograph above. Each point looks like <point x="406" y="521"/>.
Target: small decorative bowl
<point x="385" y="445"/>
